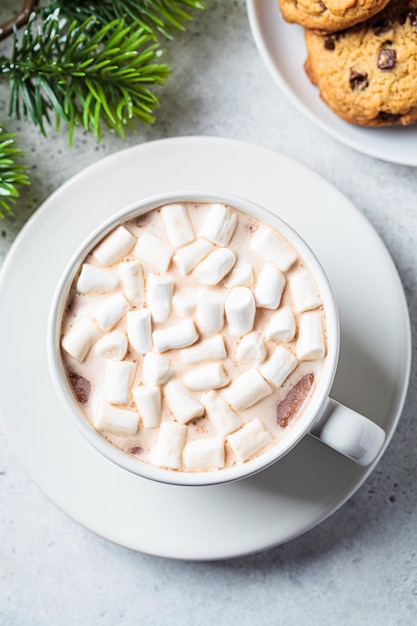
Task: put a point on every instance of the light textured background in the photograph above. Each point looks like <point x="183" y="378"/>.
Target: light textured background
<point x="357" y="567"/>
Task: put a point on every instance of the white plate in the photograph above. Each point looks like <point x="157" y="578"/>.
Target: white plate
<point x="282" y="48"/>
<point x="199" y="522"/>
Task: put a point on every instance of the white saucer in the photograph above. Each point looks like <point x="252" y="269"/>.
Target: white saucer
<point x="282" y="502"/>
<point x="282" y="48"/>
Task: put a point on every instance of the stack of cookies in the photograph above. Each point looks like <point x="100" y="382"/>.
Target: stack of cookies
<point x="362" y="55"/>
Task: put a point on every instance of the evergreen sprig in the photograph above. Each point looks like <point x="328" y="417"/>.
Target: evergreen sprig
<point x="11" y="173"/>
<point x="83" y="75"/>
<point x="158" y="16"/>
<point x="89" y="63"/>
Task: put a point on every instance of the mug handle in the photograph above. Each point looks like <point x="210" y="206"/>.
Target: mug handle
<point x="349" y="433"/>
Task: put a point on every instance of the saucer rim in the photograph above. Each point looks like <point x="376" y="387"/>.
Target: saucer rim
<point x="210" y="150"/>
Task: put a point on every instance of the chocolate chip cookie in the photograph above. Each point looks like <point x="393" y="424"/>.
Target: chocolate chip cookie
<point x="367" y="74"/>
<point x="330" y="15"/>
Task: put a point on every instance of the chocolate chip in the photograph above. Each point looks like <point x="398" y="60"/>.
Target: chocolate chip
<point x="322" y="5"/>
<point x="386" y="59"/>
<point x="391" y="118"/>
<point x="294" y="400"/>
<point x="358" y="80"/>
<point x="381" y="26"/>
<point x="412" y="18"/>
<point x="80" y="385"/>
<point x="329" y="43"/>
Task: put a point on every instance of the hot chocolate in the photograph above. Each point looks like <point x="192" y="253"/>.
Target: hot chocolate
<point x="193" y="337"/>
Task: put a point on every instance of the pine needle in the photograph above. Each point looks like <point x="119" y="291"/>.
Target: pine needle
<point x="11" y="173"/>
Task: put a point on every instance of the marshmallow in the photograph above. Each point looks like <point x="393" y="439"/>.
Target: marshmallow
<point x="139" y="330"/>
<point x="154" y="251"/>
<point x="115" y="420"/>
<point x="184" y="301"/>
<point x="240" y="311"/>
<point x="279" y="366"/>
<point x="251" y="348"/>
<point x="204" y="454"/>
<point x="246" y="390"/>
<point x="281" y="326"/>
<point x="170" y="445"/>
<point x="177" y="224"/>
<point x="95" y="279"/>
<point x="110" y="311"/>
<point x="115" y="246"/>
<point x="131" y="275"/>
<point x="159" y="290"/>
<point x="266" y="244"/>
<point x="112" y="346"/>
<point x="304" y="292"/>
<point x="215" y="266"/>
<point x="269" y="287"/>
<point x="219" y="224"/>
<point x="118" y="377"/>
<point x="210" y="311"/>
<point x="183" y="406"/>
<point x="221" y="416"/>
<point x="212" y="348"/>
<point x="148" y="401"/>
<point x="180" y="335"/>
<point x="249" y="440"/>
<point x="187" y="258"/>
<point x="240" y="276"/>
<point x="210" y="376"/>
<point x="156" y="369"/>
<point x="79" y="339"/>
<point x="310" y="342"/>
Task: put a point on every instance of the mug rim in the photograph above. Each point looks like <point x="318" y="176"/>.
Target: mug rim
<point x="304" y="423"/>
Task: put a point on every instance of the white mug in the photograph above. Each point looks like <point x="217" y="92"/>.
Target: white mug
<point x="338" y="426"/>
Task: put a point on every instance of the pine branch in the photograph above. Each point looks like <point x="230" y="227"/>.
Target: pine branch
<point x="157" y="16"/>
<point x="11" y="173"/>
<point x="88" y="63"/>
<point x="84" y="75"/>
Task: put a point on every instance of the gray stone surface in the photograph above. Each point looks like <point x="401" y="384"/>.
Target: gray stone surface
<point x="357" y="567"/>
